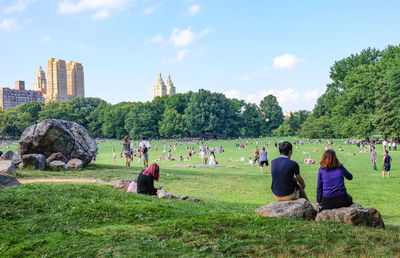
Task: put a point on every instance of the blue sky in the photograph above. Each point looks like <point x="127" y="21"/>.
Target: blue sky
<point x="245" y="49"/>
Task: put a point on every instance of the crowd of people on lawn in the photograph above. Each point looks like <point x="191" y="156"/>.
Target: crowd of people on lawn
<point x="287" y="183"/>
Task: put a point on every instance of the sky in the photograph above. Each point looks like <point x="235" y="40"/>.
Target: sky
<point x="244" y="49"/>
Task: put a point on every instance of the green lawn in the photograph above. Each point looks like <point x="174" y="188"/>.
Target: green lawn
<point x="54" y="219"/>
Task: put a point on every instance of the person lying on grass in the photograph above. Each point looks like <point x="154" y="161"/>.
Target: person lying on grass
<point x="145" y="183"/>
<point x="284" y="186"/>
<point x="331" y="192"/>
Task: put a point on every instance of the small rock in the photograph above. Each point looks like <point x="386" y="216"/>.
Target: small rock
<point x="299" y="208"/>
<point x="123" y="184"/>
<point x="35" y="161"/>
<point x="7" y="167"/>
<point x="10" y="155"/>
<point x="75" y="163"/>
<point x="8" y="181"/>
<point x="57" y="164"/>
<point x="57" y="156"/>
<point x="353" y="215"/>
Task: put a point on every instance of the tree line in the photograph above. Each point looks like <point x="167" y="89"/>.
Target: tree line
<point x="192" y="114"/>
<point x="362" y="99"/>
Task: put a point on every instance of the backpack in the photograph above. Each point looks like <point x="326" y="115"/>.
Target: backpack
<point x="144" y="148"/>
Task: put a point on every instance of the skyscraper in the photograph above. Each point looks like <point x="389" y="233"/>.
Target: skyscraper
<point x="40" y="83"/>
<point x="56" y="80"/>
<point x="75" y="80"/>
<point x="170" y="87"/>
<point x="159" y="89"/>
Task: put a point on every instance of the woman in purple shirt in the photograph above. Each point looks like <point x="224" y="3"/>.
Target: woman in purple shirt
<point x="331" y="192"/>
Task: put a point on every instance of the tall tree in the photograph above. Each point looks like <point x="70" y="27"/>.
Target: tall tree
<point x="271" y="113"/>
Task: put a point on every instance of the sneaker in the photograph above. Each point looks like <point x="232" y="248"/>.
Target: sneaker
<point x="316" y="207"/>
<point x="183" y="197"/>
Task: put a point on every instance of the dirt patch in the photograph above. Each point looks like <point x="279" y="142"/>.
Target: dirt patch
<point x="197" y="166"/>
<point x="61" y="180"/>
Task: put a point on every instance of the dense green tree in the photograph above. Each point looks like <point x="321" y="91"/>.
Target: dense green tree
<point x="142" y="120"/>
<point x="252" y="120"/>
<point x="317" y="128"/>
<point x="271" y="113"/>
<point x="172" y="124"/>
<point x="285" y="129"/>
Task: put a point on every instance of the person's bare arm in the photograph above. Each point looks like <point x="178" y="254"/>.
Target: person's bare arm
<point x="301" y="181"/>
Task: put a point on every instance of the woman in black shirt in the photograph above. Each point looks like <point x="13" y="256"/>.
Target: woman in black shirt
<point x="145" y="183"/>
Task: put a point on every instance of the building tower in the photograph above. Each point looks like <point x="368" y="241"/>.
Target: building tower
<point x="170" y="87"/>
<point x="56" y="80"/>
<point x="159" y="89"/>
<point x="40" y="83"/>
<point x="75" y="80"/>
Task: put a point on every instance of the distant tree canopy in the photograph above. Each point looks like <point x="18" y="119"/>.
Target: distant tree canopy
<point x="192" y="114"/>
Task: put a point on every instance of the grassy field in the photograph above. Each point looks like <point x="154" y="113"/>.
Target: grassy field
<point x="54" y="219"/>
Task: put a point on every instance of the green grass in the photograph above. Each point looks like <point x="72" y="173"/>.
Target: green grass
<point x="54" y="219"/>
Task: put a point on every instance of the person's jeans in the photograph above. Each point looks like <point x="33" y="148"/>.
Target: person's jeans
<point x="373" y="164"/>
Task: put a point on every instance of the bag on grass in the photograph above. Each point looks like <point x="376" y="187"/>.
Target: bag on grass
<point x="132" y="187"/>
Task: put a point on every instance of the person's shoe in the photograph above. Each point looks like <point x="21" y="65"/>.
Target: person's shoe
<point x="183" y="197"/>
<point x="316" y="207"/>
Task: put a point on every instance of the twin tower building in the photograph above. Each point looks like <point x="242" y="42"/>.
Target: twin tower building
<point x="160" y="89"/>
<point x="63" y="81"/>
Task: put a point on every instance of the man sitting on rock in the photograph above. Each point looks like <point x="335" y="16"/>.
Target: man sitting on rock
<point x="284" y="186"/>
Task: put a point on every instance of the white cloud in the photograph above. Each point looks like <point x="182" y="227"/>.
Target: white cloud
<point x="102" y="14"/>
<point x="151" y="9"/>
<point x="182" y="38"/>
<point x="18" y="6"/>
<point x="193" y="9"/>
<point x="102" y="7"/>
<point x="181" y="55"/>
<point x="232" y="94"/>
<point x="286" y="61"/>
<point x="156" y="39"/>
<point x="9" y="25"/>
<point x="243" y="78"/>
<point x="45" y="39"/>
<point x="312" y="94"/>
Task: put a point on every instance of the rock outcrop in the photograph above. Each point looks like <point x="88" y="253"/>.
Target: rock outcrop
<point x="300" y="208"/>
<point x="53" y="138"/>
<point x="7" y="167"/>
<point x="10" y="155"/>
<point x="353" y="215"/>
<point x="8" y="181"/>
<point x="58" y="165"/>
<point x="122" y="184"/>
<point x="35" y="161"/>
<point x="75" y="163"/>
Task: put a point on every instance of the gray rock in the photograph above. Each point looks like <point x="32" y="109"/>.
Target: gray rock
<point x="353" y="215"/>
<point x="7" y="167"/>
<point x="75" y="163"/>
<point x="10" y="155"/>
<point x="58" y="165"/>
<point x="122" y="184"/>
<point x="35" y="161"/>
<point x="57" y="156"/>
<point x="300" y="208"/>
<point x="53" y="135"/>
<point x="8" y="181"/>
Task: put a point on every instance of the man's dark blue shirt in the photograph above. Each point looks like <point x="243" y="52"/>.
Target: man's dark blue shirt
<point x="283" y="170"/>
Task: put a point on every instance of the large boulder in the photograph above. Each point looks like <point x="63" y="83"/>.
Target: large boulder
<point x="35" y="161"/>
<point x="122" y="184"/>
<point x="353" y="215"/>
<point x="58" y="165"/>
<point x="8" y="181"/>
<point x="10" y="155"/>
<point x="300" y="208"/>
<point x="53" y="136"/>
<point x="7" y="167"/>
<point x="75" y="163"/>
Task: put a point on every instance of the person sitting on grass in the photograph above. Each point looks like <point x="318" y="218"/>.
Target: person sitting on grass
<point x="284" y="186"/>
<point x="309" y="160"/>
<point x="145" y="183"/>
<point x="331" y="192"/>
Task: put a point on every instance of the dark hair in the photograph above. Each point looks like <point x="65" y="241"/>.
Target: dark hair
<point x="285" y="147"/>
<point x="263" y="148"/>
<point x="329" y="160"/>
<point x="143" y="138"/>
<point x="386" y="152"/>
<point x="126" y="138"/>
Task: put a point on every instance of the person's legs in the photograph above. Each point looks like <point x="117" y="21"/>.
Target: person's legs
<point x="344" y="200"/>
<point x="374" y="164"/>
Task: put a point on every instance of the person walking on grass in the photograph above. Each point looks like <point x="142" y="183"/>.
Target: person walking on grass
<point x="114" y="156"/>
<point x="373" y="157"/>
<point x="144" y="147"/>
<point x="331" y="192"/>
<point x="264" y="160"/>
<point x="386" y="164"/>
<point x="126" y="150"/>
<point x="283" y="170"/>
<point x="256" y="156"/>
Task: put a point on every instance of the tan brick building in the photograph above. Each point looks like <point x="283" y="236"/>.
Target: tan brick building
<point x="75" y="79"/>
<point x="160" y="89"/>
<point x="56" y="81"/>
<point x="10" y="98"/>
